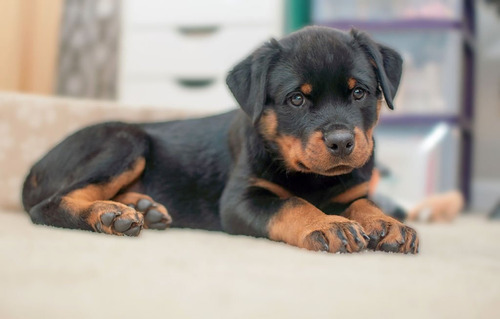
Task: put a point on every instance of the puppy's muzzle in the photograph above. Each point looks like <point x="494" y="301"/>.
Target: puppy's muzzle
<point x="340" y="142"/>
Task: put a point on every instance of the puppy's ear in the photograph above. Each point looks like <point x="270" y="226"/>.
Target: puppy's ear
<point x="388" y="64"/>
<point x="248" y="79"/>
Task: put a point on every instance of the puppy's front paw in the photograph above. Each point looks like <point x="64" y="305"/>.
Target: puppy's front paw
<point x="387" y="234"/>
<point x="335" y="234"/>
<point x="301" y="224"/>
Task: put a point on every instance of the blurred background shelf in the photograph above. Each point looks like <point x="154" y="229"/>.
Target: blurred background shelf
<point x="385" y="10"/>
<point x="425" y="120"/>
<point x="396" y="24"/>
<point x="410" y="24"/>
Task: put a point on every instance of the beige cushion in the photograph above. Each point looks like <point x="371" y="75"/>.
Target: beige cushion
<point x="31" y="125"/>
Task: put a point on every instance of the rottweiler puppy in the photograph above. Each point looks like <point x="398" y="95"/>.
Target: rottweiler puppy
<point x="291" y="165"/>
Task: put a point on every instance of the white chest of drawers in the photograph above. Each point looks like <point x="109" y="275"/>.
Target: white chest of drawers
<point x="177" y="53"/>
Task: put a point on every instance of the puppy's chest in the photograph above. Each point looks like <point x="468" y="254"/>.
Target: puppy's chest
<point x="317" y="191"/>
<point x="326" y="199"/>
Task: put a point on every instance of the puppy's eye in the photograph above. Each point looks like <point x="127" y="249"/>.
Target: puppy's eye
<point x="297" y="99"/>
<point x="358" y="93"/>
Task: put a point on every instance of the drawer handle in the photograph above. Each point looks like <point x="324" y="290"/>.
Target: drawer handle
<point x="198" y="31"/>
<point x="195" y="83"/>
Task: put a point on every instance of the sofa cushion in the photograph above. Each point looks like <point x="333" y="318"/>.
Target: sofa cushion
<point x="30" y="125"/>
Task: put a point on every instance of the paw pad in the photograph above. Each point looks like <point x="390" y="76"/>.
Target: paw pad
<point x="129" y="224"/>
<point x="155" y="215"/>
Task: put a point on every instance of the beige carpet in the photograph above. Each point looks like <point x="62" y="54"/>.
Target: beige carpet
<point x="54" y="273"/>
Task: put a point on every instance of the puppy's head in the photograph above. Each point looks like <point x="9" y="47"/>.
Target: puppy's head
<point x="315" y="96"/>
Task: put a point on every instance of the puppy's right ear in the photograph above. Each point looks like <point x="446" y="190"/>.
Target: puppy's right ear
<point x="248" y="79"/>
<point x="388" y="64"/>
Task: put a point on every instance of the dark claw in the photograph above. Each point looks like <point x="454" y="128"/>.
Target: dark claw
<point x="143" y="204"/>
<point x="373" y="241"/>
<point x="319" y="241"/>
<point x="134" y="231"/>
<point x="361" y="245"/>
<point x="413" y="239"/>
<point x="344" y="241"/>
<point x="355" y="235"/>
<point x="365" y="236"/>
<point x="153" y="216"/>
<point x="98" y="226"/>
<point x="403" y="235"/>
<point x="121" y="225"/>
<point x="107" y="218"/>
<point x="390" y="247"/>
<point x="383" y="233"/>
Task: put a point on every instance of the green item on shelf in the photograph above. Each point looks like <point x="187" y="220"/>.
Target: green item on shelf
<point x="298" y="14"/>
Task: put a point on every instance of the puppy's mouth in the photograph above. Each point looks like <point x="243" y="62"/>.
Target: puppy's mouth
<point x="340" y="169"/>
<point x="314" y="157"/>
<point x="332" y="171"/>
<point x="302" y="166"/>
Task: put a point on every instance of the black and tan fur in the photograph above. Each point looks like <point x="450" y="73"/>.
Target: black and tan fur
<point x="292" y="165"/>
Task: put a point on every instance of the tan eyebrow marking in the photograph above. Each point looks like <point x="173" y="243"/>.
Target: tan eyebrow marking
<point x="306" y="88"/>
<point x="351" y="83"/>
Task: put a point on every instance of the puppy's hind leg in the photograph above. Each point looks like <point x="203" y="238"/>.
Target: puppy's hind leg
<point x="89" y="207"/>
<point x="72" y="186"/>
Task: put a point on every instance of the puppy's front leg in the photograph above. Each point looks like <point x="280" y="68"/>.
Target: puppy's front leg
<point x="386" y="233"/>
<point x="301" y="224"/>
<point x="266" y="210"/>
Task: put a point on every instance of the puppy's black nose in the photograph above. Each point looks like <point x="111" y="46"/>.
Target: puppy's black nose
<point x="340" y="142"/>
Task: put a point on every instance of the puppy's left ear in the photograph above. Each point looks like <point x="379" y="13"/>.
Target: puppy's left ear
<point x="388" y="64"/>
<point x="248" y="79"/>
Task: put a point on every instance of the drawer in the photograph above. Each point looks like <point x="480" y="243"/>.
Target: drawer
<point x="432" y="71"/>
<point x="176" y="51"/>
<point x="196" y="12"/>
<point x="421" y="160"/>
<point x="327" y="11"/>
<point x="197" y="94"/>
